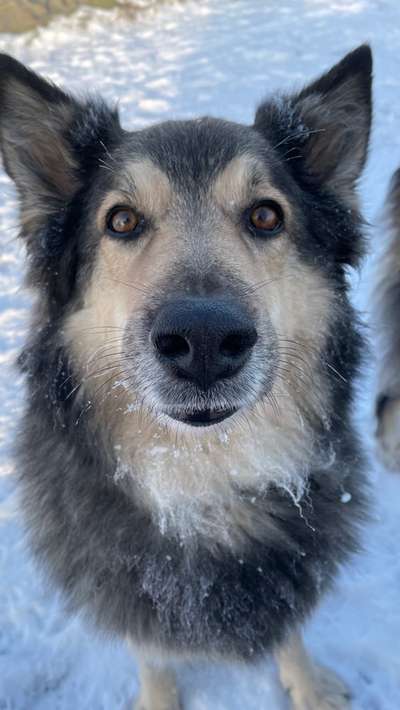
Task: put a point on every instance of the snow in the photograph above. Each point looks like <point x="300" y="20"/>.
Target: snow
<point x="182" y="60"/>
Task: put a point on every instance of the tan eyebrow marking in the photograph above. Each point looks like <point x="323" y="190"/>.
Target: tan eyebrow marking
<point x="151" y="186"/>
<point x="142" y="185"/>
<point x="245" y="179"/>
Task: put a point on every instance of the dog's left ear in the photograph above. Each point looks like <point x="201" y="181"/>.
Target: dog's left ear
<point x="324" y="129"/>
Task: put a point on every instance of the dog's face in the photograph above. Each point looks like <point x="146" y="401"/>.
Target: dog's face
<point x="194" y="268"/>
<point x="196" y="235"/>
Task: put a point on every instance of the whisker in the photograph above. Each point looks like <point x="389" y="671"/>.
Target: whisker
<point x="141" y="288"/>
<point x="300" y="134"/>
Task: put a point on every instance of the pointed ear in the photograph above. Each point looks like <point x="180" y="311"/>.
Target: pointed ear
<point x="34" y="120"/>
<point x="325" y="128"/>
<point x="45" y="135"/>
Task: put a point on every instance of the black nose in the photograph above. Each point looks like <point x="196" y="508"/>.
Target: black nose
<point x="202" y="339"/>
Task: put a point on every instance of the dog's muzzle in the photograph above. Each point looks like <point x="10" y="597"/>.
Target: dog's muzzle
<point x="202" y="341"/>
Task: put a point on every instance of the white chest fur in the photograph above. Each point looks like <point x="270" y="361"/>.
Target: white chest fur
<point x="192" y="480"/>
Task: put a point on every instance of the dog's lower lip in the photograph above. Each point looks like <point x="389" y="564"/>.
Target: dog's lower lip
<point x="204" y="417"/>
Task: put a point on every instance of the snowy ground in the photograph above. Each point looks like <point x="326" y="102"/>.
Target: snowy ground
<point x="219" y="58"/>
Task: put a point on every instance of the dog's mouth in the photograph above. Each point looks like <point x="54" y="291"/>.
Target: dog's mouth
<point x="204" y="417"/>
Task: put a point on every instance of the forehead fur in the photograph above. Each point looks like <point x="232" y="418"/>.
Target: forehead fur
<point x="193" y="152"/>
<point x="172" y="161"/>
<point x="243" y="179"/>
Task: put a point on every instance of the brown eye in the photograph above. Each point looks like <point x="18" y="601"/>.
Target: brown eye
<point x="267" y="217"/>
<point x="122" y="220"/>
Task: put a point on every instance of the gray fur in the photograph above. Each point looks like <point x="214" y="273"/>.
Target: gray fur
<point x="386" y="311"/>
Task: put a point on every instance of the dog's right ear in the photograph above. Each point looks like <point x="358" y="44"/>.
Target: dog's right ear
<point x="34" y="120"/>
<point x="43" y="136"/>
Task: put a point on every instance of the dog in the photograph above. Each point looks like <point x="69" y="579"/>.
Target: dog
<point x="189" y="473"/>
<point x="386" y="309"/>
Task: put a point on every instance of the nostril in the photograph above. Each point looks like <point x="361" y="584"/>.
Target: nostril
<point x="238" y="343"/>
<point x="171" y="345"/>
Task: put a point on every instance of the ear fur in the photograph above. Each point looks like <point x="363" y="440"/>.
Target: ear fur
<point x="34" y="120"/>
<point x="324" y="129"/>
<point x="43" y="136"/>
